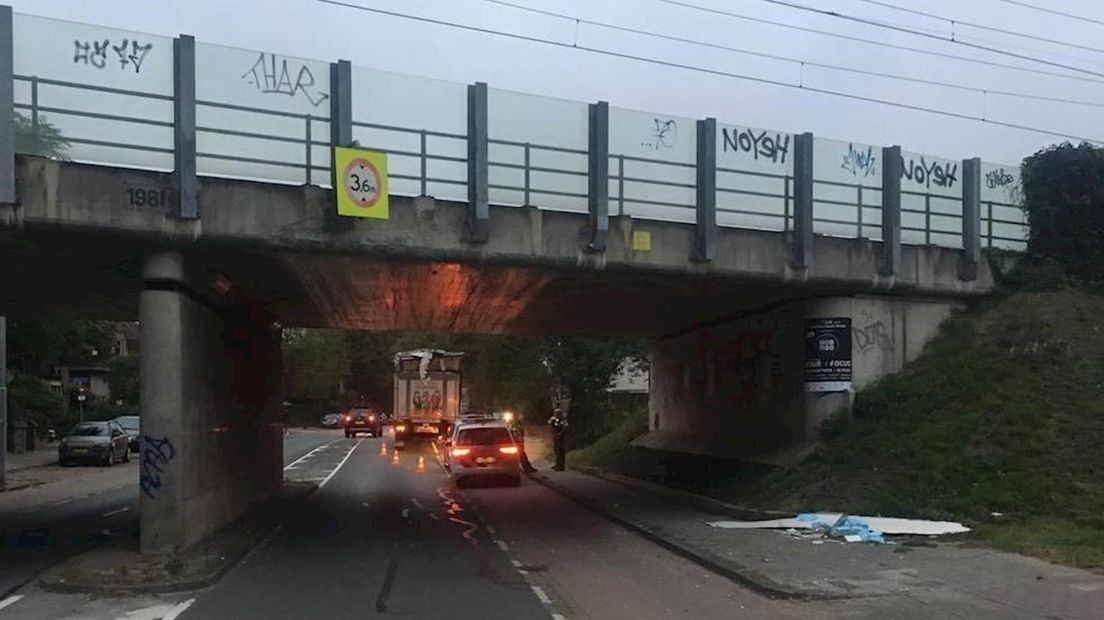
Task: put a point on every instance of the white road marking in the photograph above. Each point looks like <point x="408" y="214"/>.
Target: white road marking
<point x="347" y="455"/>
<point x="406" y="512"/>
<point x="558" y="617"/>
<point x="11" y="600"/>
<point x="365" y="504"/>
<point x="306" y="456"/>
<point x="502" y="545"/>
<point x="112" y="513"/>
<point x="491" y="530"/>
<point x="541" y="595"/>
<point x="433" y="515"/>
<point x="179" y="609"/>
<point x="415" y="501"/>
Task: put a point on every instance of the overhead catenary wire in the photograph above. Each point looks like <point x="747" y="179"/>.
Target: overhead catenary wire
<point x="800" y="61"/>
<point x="954" y="21"/>
<point x="705" y="70"/>
<point x="1034" y="7"/>
<point x="897" y="46"/>
<point x="920" y="33"/>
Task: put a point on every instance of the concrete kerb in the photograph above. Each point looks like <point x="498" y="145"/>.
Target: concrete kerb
<point x="693" y="500"/>
<point x="59" y="578"/>
<point x="738" y="573"/>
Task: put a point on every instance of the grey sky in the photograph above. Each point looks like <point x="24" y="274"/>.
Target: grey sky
<point x="311" y="29"/>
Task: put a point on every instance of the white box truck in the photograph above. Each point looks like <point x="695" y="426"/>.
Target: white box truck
<point x="428" y="394"/>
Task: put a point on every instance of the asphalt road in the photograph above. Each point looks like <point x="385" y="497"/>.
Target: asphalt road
<point x="387" y="537"/>
<point x="79" y="508"/>
<point x="379" y="538"/>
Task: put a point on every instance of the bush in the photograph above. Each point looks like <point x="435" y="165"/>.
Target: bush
<point x="1064" y="199"/>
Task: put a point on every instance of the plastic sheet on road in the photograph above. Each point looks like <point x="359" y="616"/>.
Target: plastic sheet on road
<point x="885" y="525"/>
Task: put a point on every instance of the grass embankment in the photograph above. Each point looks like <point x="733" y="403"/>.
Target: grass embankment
<point x="999" y="424"/>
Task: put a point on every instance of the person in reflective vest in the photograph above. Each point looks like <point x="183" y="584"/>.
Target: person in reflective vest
<point x="517" y="429"/>
<point x="558" y="425"/>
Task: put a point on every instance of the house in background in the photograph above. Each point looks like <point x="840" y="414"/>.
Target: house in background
<point x="126" y="338"/>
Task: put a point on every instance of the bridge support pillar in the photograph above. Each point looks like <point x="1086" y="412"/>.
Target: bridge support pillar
<point x="743" y="389"/>
<point x="211" y="442"/>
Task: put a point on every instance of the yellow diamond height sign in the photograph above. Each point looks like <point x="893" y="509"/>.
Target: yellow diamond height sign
<point x="361" y="183"/>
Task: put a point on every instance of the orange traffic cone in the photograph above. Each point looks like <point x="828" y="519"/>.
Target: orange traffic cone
<point x="383" y="449"/>
<point x="421" y="465"/>
<point x="395" y="457"/>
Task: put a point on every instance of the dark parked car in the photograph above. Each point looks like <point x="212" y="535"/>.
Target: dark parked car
<point x="132" y="427"/>
<point x="363" y="421"/>
<point x="97" y="442"/>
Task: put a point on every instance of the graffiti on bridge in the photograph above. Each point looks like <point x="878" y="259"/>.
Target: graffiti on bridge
<point x="859" y="162"/>
<point x="155" y="455"/>
<point x="873" y="336"/>
<point x="129" y="52"/>
<point x="270" y="75"/>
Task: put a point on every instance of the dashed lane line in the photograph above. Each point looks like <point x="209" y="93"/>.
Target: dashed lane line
<point x="539" y="591"/>
<point x="292" y="464"/>
<point x="11" y="600"/>
<point x="339" y="465"/>
<point x="179" y="609"/>
<point x="112" y="513"/>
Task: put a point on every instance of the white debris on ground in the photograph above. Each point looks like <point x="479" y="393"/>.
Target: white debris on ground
<point x="850" y="528"/>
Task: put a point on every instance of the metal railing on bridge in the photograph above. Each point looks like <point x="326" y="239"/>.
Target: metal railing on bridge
<point x="122" y="98"/>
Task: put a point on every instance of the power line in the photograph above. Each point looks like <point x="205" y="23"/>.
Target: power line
<point x="954" y="22"/>
<point x="1053" y="11"/>
<point x="809" y="63"/>
<point x="718" y="72"/>
<point x="907" y="48"/>
<point x="920" y="33"/>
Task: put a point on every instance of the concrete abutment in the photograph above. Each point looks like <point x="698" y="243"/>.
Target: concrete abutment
<point x="211" y="441"/>
<point x="738" y="389"/>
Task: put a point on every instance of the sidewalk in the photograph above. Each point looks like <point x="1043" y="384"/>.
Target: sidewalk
<point x="994" y="584"/>
<point x="44" y="455"/>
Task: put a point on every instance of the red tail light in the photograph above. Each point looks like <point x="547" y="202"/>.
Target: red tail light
<point x="508" y="449"/>
<point x="348" y="418"/>
<point x="371" y="418"/>
<point x="461" y="451"/>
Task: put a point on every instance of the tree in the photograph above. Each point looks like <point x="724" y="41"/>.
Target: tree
<point x="1064" y="199"/>
<point x="585" y="367"/>
<point x="41" y="138"/>
<point x="315" y="363"/>
<point x="39" y="346"/>
<point x="32" y="400"/>
<point x="122" y="376"/>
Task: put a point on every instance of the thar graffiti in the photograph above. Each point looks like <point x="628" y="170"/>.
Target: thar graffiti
<point x="270" y="74"/>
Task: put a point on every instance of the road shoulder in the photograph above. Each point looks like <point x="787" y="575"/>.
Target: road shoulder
<point x="780" y="566"/>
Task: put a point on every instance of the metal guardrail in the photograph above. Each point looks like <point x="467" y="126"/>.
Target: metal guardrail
<point x="527" y="188"/>
<point x="37" y="110"/>
<point x="987" y="221"/>
<point x="649" y="183"/>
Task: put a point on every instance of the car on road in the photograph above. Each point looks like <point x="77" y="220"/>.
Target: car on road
<point x="132" y="426"/>
<point x="331" y="420"/>
<point x="97" y="442"/>
<point x="482" y="448"/>
<point x="360" y="420"/>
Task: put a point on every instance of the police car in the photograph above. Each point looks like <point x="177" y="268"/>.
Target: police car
<point x="481" y="446"/>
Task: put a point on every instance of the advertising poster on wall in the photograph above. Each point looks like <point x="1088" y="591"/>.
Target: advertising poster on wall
<point x="828" y="354"/>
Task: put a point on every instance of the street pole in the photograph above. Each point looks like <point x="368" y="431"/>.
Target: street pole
<point x="3" y="400"/>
